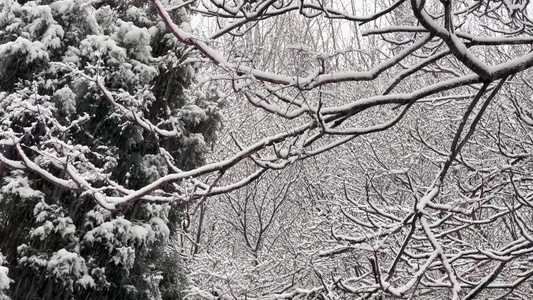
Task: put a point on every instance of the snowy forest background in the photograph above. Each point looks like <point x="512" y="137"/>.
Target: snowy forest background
<point x="266" y="149"/>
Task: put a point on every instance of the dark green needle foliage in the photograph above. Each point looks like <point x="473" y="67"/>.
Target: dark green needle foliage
<point x="56" y="241"/>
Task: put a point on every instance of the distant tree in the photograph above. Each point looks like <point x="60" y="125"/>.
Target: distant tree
<point x="430" y="195"/>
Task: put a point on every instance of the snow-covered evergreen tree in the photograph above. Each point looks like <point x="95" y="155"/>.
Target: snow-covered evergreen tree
<point x="83" y="84"/>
